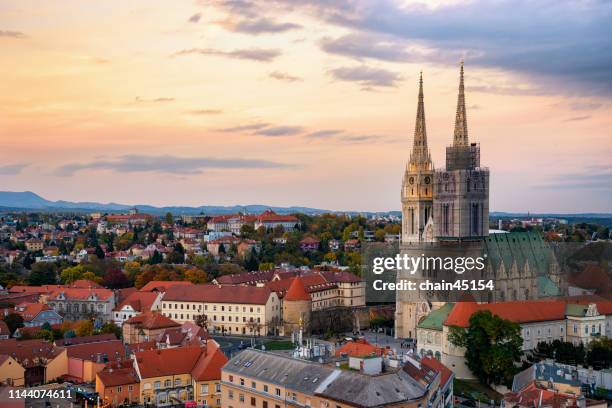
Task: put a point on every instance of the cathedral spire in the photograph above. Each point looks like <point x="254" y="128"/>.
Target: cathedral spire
<point x="461" y="132"/>
<point x="420" y="157"/>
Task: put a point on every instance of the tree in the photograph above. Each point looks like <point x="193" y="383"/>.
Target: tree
<point x="202" y="321"/>
<point x="169" y="218"/>
<point x="43" y="273"/>
<point x="13" y="321"/>
<point x="99" y="252"/>
<point x="85" y="328"/>
<point x="196" y="276"/>
<point x="156" y="258"/>
<point x="110" y="327"/>
<point x="493" y="346"/>
<point x="72" y="273"/>
<point x="115" y="279"/>
<point x="600" y="353"/>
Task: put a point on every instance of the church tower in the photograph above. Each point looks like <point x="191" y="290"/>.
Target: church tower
<point x="461" y="191"/>
<point x="417" y="185"/>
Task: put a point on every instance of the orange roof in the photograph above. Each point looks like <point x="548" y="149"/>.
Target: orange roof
<point x="219" y="294"/>
<point x="297" y="291"/>
<point x="162" y="285"/>
<point x="139" y="301"/>
<point x="152" y="321"/>
<point x="84" y="284"/>
<point x="82" y="293"/>
<point x="172" y="361"/>
<point x="112" y="377"/>
<point x="210" y="363"/>
<point x="436" y="365"/>
<point x="112" y="350"/>
<point x="29" y="311"/>
<point x="359" y="348"/>
<point x="516" y="311"/>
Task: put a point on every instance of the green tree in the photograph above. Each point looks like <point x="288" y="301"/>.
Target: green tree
<point x="493" y="346"/>
<point x="600" y="353"/>
<point x="13" y="321"/>
<point x="169" y="218"/>
<point x="43" y="273"/>
<point x="85" y="328"/>
<point x="110" y="327"/>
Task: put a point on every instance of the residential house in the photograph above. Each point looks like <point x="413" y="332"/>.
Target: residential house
<point x="118" y="384"/>
<point x="135" y="304"/>
<point x="42" y="361"/>
<point x="37" y="314"/>
<point x="83" y="303"/>
<point x="309" y="244"/>
<point x="11" y="372"/>
<point x="87" y="359"/>
<point x="145" y="327"/>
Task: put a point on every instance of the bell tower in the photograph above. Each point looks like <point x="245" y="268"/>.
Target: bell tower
<point x="417" y="185"/>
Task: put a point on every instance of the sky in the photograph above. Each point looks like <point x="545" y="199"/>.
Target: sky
<point x="307" y="103"/>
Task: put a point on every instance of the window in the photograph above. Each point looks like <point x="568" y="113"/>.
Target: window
<point x="231" y="378"/>
<point x="253" y="401"/>
<point x="241" y="397"/>
<point x="254" y="384"/>
<point x="177" y="382"/>
<point x="218" y="387"/>
<point x="204" y="389"/>
<point x="230" y="394"/>
<point x="130" y="388"/>
<point x="167" y="383"/>
<point x="157" y="385"/>
<point x="278" y="392"/>
<point x="265" y="404"/>
<point x="242" y="381"/>
<point x="265" y="388"/>
<point x="118" y="389"/>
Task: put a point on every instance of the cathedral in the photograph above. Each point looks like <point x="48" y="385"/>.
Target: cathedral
<point x="445" y="212"/>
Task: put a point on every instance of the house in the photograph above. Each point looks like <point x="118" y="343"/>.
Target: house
<point x="359" y="348"/>
<point x="145" y="327"/>
<point x="270" y="220"/>
<point x="33" y="245"/>
<point x="537" y="396"/>
<point x="309" y="244"/>
<point x="118" y="384"/>
<point x="351" y="245"/>
<point x="85" y="360"/>
<point x="334" y="245"/>
<point x="11" y="372"/>
<point x="37" y="314"/>
<point x="76" y="303"/>
<point x="135" y="304"/>
<point x="181" y="375"/>
<point x="229" y="309"/>
<point x="188" y="333"/>
<point x="42" y="361"/>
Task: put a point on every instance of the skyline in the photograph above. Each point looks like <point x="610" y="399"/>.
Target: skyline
<point x="308" y="104"/>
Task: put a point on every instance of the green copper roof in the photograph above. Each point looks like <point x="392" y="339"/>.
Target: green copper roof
<point x="436" y="318"/>
<point x="547" y="287"/>
<point x="576" y="310"/>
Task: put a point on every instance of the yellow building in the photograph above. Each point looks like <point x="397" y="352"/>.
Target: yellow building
<point x="243" y="310"/>
<point x="11" y="372"/>
<point x="179" y="375"/>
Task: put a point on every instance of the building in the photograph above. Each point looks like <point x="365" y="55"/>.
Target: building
<point x="5" y="333"/>
<point x="33" y="245"/>
<point x="271" y="220"/>
<point x="297" y="307"/>
<point x="135" y="304"/>
<point x="37" y="314"/>
<point x="243" y="310"/>
<point x="85" y="360"/>
<point x="180" y="375"/>
<point x="118" y="384"/>
<point x="11" y="372"/>
<point x="256" y="378"/>
<point x="75" y="303"/>
<point x="445" y="213"/>
<point x="146" y="327"/>
<point x="539" y="320"/>
<point x="42" y="362"/>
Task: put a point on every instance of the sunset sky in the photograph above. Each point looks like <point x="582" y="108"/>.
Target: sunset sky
<point x="308" y="103"/>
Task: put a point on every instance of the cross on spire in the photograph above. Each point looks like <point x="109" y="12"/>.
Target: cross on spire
<point x="461" y="132"/>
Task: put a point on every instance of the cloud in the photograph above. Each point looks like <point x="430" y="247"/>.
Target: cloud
<point x="361" y="46"/>
<point x="258" y="26"/>
<point x="577" y="118"/>
<point x="243" y="128"/>
<point x="582" y="106"/>
<point x="12" y="169"/>
<point x="366" y="76"/>
<point x="195" y="18"/>
<point x="360" y="138"/>
<point x="595" y="177"/>
<point x="166" y="164"/>
<point x="206" y="112"/>
<point x="508" y="90"/>
<point x="12" y="34"/>
<point x="155" y="100"/>
<point x="283" y="76"/>
<point x="561" y="44"/>
<point x="255" y="54"/>
<point x="323" y="134"/>
<point x="280" y="131"/>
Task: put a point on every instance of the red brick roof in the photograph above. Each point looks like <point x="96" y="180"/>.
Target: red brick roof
<point x="313" y="282"/>
<point x="34" y="289"/>
<point x="219" y="294"/>
<point x="210" y="363"/>
<point x="270" y="216"/>
<point x="30" y="310"/>
<point x="517" y="311"/>
<point x="297" y="291"/>
<point x="152" y="321"/>
<point x="82" y="294"/>
<point x="85" y="339"/>
<point x="26" y="351"/>
<point x="436" y="365"/>
<point x="112" y="377"/>
<point x="84" y="284"/>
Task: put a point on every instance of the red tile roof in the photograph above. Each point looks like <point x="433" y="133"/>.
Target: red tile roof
<point x="517" y="311"/>
<point x="172" y="361"/>
<point x="162" y="286"/>
<point x="359" y="348"/>
<point x="26" y="351"/>
<point x="297" y="291"/>
<point x="84" y="284"/>
<point x="82" y="293"/>
<point x="139" y="301"/>
<point x="152" y="321"/>
<point x="113" y="377"/>
<point x="210" y="363"/>
<point x="85" y="339"/>
<point x="112" y="350"/>
<point x="219" y="294"/>
<point x="436" y="365"/>
<point x="4" y="330"/>
<point x="29" y="311"/>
